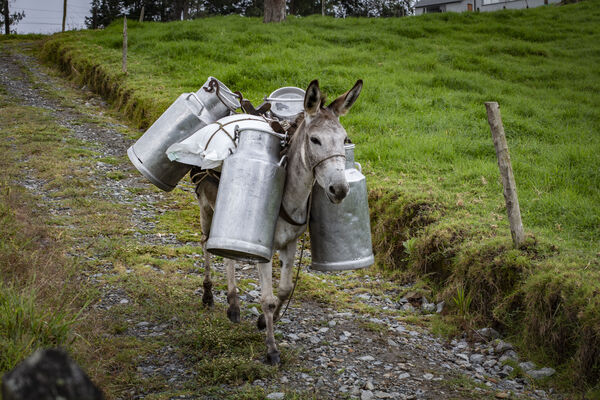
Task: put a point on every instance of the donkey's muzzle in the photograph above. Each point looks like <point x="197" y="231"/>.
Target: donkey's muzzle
<point x="337" y="192"/>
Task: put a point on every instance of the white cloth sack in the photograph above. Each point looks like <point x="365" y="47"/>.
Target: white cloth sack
<point x="209" y="146"/>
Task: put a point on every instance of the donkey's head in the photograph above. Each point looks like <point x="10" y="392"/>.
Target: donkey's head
<point x="324" y="149"/>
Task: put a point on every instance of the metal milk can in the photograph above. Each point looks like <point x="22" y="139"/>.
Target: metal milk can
<point x="286" y="102"/>
<point x="190" y="112"/>
<point x="249" y="197"/>
<point x="340" y="234"/>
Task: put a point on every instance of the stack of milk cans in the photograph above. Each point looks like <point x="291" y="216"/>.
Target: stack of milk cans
<point x="253" y="178"/>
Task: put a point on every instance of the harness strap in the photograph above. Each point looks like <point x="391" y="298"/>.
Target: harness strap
<point x="287" y="217"/>
<point x="197" y="176"/>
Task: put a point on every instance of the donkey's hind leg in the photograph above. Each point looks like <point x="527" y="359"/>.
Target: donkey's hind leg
<point x="205" y="221"/>
<point x="233" y="312"/>
<point x="268" y="303"/>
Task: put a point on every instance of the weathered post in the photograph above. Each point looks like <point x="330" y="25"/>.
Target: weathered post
<point x="125" y="44"/>
<point x="506" y="172"/>
<point x="64" y="14"/>
<point x="6" y="17"/>
<point x="142" y="15"/>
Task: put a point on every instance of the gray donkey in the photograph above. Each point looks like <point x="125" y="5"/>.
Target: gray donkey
<point x="316" y="153"/>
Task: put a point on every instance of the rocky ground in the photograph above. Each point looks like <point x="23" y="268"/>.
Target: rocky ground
<point x="385" y="352"/>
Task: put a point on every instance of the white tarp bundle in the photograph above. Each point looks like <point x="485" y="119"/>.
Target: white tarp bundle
<point x="209" y="146"/>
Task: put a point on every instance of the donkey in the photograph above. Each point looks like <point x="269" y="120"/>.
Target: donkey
<point x="316" y="153"/>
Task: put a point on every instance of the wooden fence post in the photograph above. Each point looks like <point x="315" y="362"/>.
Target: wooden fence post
<point x="125" y="44"/>
<point x="506" y="172"/>
<point x="64" y="14"/>
<point x="142" y="15"/>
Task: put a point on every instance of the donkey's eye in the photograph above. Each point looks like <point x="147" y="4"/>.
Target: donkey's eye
<point x="315" y="140"/>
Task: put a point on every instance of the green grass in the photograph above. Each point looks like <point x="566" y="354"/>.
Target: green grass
<point x="420" y="120"/>
<point x="421" y="131"/>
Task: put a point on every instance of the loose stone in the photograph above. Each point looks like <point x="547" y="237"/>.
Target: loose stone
<point x="541" y="373"/>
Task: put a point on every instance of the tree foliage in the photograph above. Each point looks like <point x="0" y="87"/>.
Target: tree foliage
<point x="105" y="11"/>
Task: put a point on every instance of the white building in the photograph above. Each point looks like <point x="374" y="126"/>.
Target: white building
<point x="435" y="6"/>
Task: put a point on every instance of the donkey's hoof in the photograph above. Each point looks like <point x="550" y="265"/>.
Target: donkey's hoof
<point x="261" y="323"/>
<point x="233" y="313"/>
<point x="208" y="299"/>
<point x="273" y="358"/>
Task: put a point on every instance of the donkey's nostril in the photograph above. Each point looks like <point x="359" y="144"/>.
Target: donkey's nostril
<point x="332" y="189"/>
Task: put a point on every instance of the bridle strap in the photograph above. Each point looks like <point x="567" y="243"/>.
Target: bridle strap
<point x="325" y="159"/>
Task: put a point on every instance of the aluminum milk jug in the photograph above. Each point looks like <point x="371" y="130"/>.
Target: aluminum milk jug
<point x="340" y="234"/>
<point x="249" y="197"/>
<point x="190" y="112"/>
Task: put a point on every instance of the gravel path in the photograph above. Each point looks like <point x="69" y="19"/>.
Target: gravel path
<point x="342" y="354"/>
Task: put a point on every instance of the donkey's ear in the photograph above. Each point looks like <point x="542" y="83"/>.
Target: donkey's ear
<point x="312" y="98"/>
<point x="342" y="104"/>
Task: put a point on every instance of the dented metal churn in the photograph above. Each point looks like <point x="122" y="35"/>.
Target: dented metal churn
<point x="340" y="234"/>
<point x="190" y="112"/>
<point x="249" y="197"/>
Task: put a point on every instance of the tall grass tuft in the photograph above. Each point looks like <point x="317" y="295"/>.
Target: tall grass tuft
<point x="25" y="325"/>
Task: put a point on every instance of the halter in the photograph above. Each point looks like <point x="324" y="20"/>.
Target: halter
<point x="283" y="212"/>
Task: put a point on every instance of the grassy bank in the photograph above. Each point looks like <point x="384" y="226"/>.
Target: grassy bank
<point x="423" y="139"/>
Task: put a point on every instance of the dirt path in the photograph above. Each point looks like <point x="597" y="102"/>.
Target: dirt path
<point x="378" y="350"/>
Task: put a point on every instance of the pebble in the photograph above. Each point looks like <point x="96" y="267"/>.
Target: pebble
<point x="509" y="355"/>
<point x="527" y="366"/>
<point x="276" y="396"/>
<point x="503" y="346"/>
<point x="477" y="358"/>
<point x="439" y="307"/>
<point x="367" y="395"/>
<point x="366" y="358"/>
<point x="541" y="373"/>
<point x="428" y="377"/>
<point x="489" y="333"/>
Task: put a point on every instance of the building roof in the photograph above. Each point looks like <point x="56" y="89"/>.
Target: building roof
<point x="427" y="3"/>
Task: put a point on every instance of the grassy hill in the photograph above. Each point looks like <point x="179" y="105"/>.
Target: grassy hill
<point x="422" y="136"/>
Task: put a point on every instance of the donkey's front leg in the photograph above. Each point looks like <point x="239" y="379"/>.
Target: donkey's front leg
<point x="286" y="284"/>
<point x="233" y="312"/>
<point x="268" y="303"/>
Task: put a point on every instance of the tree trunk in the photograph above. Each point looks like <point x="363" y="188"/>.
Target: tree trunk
<point x="6" y="18"/>
<point x="274" y="11"/>
<point x="186" y="9"/>
<point x="64" y="14"/>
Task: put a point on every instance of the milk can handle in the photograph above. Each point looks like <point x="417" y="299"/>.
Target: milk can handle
<point x="358" y="166"/>
<point x="283" y="161"/>
<point x="290" y="99"/>
<point x="192" y="94"/>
